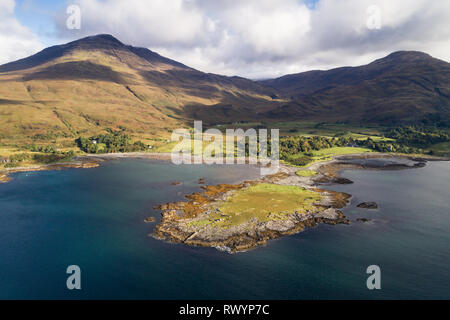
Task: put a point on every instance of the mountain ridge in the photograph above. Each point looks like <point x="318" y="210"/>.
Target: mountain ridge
<point x="405" y="86"/>
<point x="86" y="85"/>
<point x="97" y="42"/>
<point x="98" y="82"/>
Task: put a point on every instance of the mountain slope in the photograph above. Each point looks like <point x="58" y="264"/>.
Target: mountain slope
<point x="88" y="85"/>
<point x="97" y="82"/>
<point x="406" y="86"/>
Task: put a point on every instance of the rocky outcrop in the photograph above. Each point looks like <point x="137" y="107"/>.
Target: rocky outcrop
<point x="341" y="180"/>
<point x="246" y="236"/>
<point x="188" y="222"/>
<point x="368" y="205"/>
<point x="4" y="178"/>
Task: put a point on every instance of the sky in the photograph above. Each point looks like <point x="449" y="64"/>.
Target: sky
<point x="256" y="39"/>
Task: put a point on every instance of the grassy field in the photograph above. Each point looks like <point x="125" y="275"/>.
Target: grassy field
<point x="327" y="155"/>
<point x="336" y="151"/>
<point x="441" y="149"/>
<point x="311" y="128"/>
<point x="9" y="151"/>
<point x="328" y="129"/>
<point x="263" y="202"/>
<point x="20" y="157"/>
<point x="306" y="173"/>
<point x="185" y="145"/>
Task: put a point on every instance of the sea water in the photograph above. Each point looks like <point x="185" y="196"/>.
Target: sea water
<point x="94" y="218"/>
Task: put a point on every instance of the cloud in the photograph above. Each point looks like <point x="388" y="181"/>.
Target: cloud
<point x="155" y="22"/>
<point x="16" y="41"/>
<point x="266" y="38"/>
<point x="268" y="29"/>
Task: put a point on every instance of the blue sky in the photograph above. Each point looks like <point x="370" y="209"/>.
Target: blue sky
<point x="251" y="38"/>
<point x="38" y="15"/>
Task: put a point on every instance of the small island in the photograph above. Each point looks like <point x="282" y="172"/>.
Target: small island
<point x="240" y="217"/>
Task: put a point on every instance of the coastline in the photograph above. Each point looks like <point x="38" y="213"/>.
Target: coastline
<point x="179" y="219"/>
<point x="94" y="160"/>
<point x="184" y="222"/>
<point x="82" y="162"/>
<point x="4" y="174"/>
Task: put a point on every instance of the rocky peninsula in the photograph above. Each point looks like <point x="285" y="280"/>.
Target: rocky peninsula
<point x="81" y="163"/>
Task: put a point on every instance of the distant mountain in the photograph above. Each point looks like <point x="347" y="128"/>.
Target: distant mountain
<point x="88" y="85"/>
<point x="405" y="86"/>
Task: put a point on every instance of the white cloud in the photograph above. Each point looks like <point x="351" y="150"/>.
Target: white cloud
<point x="266" y="28"/>
<point x="16" y="41"/>
<point x="155" y="22"/>
<point x="265" y="38"/>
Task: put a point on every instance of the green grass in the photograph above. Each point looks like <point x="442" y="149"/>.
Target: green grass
<point x="308" y="128"/>
<point x="335" y="151"/>
<point x="306" y="173"/>
<point x="316" y="160"/>
<point x="30" y="158"/>
<point x="9" y="151"/>
<point x="314" y="128"/>
<point x="263" y="202"/>
<point x="168" y="147"/>
<point x="313" y="160"/>
<point x="441" y="149"/>
<point x="327" y="155"/>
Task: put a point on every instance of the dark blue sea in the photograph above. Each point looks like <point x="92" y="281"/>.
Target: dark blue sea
<point x="93" y="218"/>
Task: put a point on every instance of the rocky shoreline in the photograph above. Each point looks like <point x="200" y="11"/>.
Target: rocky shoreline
<point x="330" y="170"/>
<point x="178" y="223"/>
<point x="82" y="164"/>
<point x="94" y="160"/>
<point x="180" y="220"/>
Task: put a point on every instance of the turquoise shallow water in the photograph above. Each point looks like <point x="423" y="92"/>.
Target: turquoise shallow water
<point x="94" y="218"/>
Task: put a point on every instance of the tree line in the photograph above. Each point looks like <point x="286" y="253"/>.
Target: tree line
<point x="113" y="141"/>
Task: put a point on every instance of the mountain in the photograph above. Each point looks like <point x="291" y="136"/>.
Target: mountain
<point x="85" y="86"/>
<point x="405" y="86"/>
